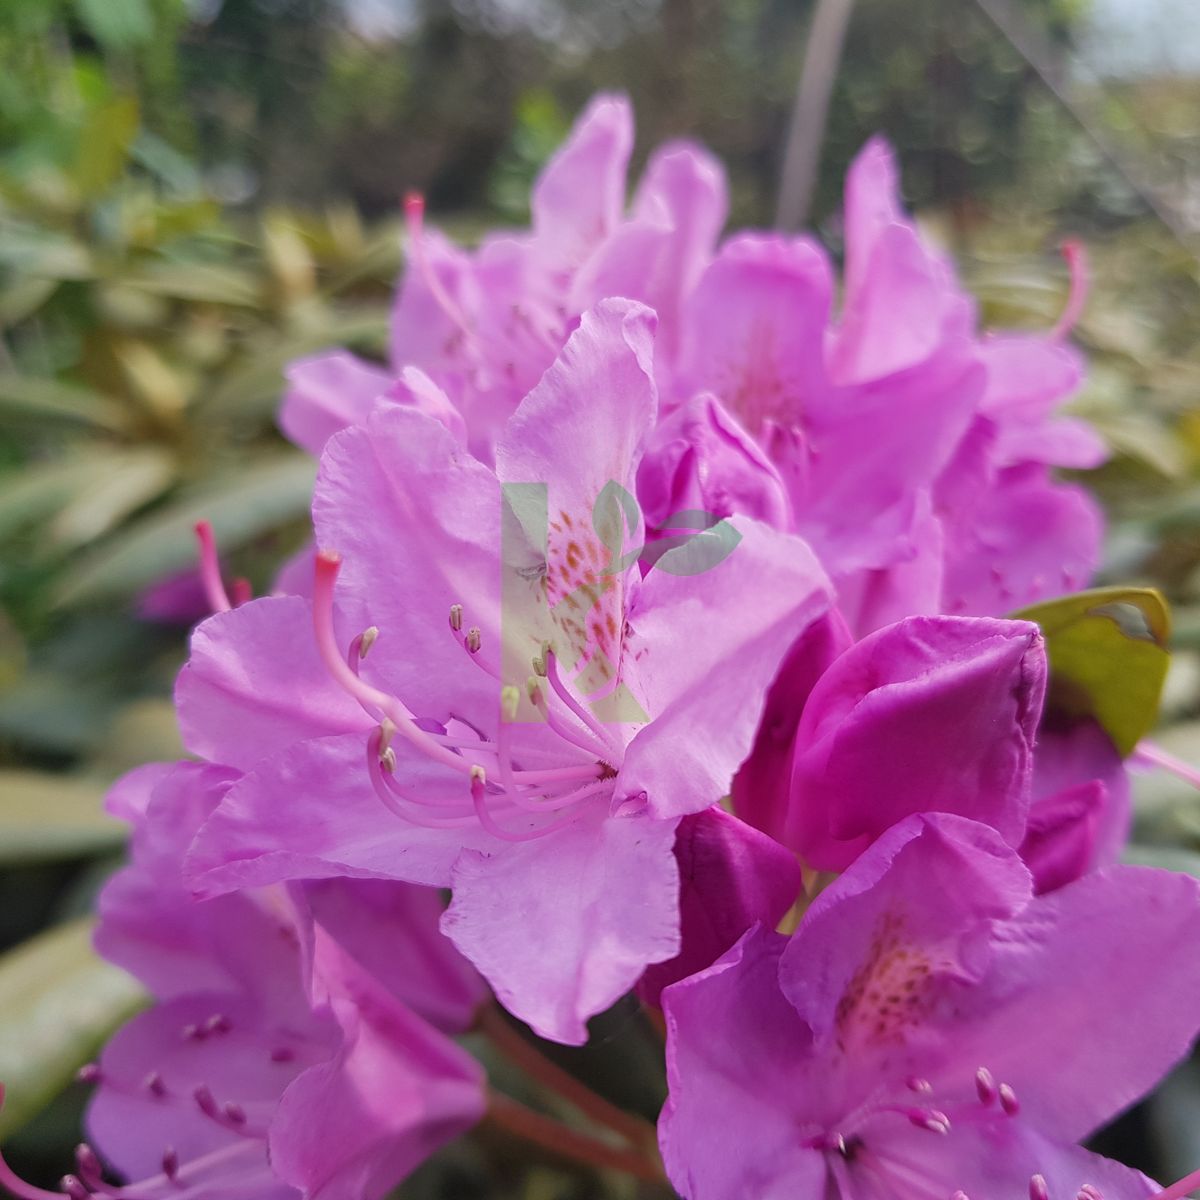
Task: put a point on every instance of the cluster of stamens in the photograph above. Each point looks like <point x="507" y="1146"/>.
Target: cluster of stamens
<point x="847" y="1144"/>
<point x="495" y="787"/>
<point x="87" y="1182"/>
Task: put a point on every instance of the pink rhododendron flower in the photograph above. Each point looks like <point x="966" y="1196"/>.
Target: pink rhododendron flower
<point x="419" y="761"/>
<point x="909" y="450"/>
<point x="932" y="1029"/>
<point x="272" y="1066"/>
<point x="874" y="743"/>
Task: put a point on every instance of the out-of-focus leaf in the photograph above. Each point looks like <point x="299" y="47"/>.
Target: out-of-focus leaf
<point x="106" y="137"/>
<point x="1108" y="657"/>
<point x="288" y="257"/>
<point x="206" y="283"/>
<point x="60" y="1003"/>
<point x="33" y="492"/>
<point x="1168" y="858"/>
<point x="265" y="494"/>
<point x="27" y="250"/>
<point x="254" y="389"/>
<point x="117" y="23"/>
<point x="24" y="295"/>
<point x="29" y="397"/>
<point x="1142" y="437"/>
<point x="46" y="817"/>
<point x="137" y="477"/>
<point x="159" y="388"/>
<point x="54" y="713"/>
<point x="143" y="731"/>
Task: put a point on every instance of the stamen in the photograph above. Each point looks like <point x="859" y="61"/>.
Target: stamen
<point x="921" y="1086"/>
<point x="479" y="802"/>
<point x="1077" y="264"/>
<point x="218" y="1023"/>
<point x="1038" y="1189"/>
<point x="414" y="218"/>
<point x="88" y="1073"/>
<point x="960" y="1195"/>
<point x="233" y="1112"/>
<point x="170" y="1163"/>
<point x="74" y="1188"/>
<point x="153" y="1083"/>
<point x="206" y="1102"/>
<point x="1155" y="756"/>
<point x="87" y="1166"/>
<point x="1008" y="1100"/>
<point x="1088" y="1192"/>
<point x="474" y="639"/>
<point x="210" y="569"/>
<point x="930" y="1119"/>
<point x="985" y="1087"/>
<point x="456" y="615"/>
<point x="1177" y="1191"/>
<point x="564" y="694"/>
<point x="328" y="564"/>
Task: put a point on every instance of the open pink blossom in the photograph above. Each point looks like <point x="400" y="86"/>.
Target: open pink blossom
<point x="531" y="722"/>
<point x="931" y="1030"/>
<point x="272" y="1066"/>
<point x="482" y="326"/>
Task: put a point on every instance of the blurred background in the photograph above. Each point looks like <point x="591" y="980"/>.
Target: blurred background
<point x="193" y="192"/>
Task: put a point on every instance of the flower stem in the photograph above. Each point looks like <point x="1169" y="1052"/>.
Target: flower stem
<point x="523" y="1054"/>
<point x="561" y="1141"/>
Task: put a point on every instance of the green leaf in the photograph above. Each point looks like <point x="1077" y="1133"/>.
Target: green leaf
<point x="104" y="143"/>
<point x="1166" y="858"/>
<point x="1108" y="657"/>
<point x="254" y="388"/>
<point x="262" y="497"/>
<point x="48" y="817"/>
<point x="117" y="24"/>
<point x="27" y="397"/>
<point x="204" y="283"/>
<point x="138" y="477"/>
<point x="60" y="1004"/>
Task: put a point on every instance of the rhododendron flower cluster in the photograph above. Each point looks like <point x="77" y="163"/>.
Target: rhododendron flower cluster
<point x="665" y="615"/>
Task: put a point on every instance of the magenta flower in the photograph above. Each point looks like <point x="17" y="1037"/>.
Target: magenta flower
<point x="932" y="1030"/>
<point x="528" y="726"/>
<point x="482" y="327"/>
<point x="272" y="1065"/>
<point x="932" y="714"/>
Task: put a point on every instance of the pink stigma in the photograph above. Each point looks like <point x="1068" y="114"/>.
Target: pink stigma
<point x="1077" y="264"/>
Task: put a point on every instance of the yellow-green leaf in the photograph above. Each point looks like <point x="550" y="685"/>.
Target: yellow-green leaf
<point x="60" y="1004"/>
<point x="1108" y="657"/>
<point x="45" y="817"/>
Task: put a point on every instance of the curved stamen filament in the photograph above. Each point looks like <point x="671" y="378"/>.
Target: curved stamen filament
<point x="327" y="566"/>
<point x="414" y="219"/>
<point x="561" y="690"/>
<point x="1077" y="263"/>
<point x="210" y="569"/>
<point x="479" y="801"/>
